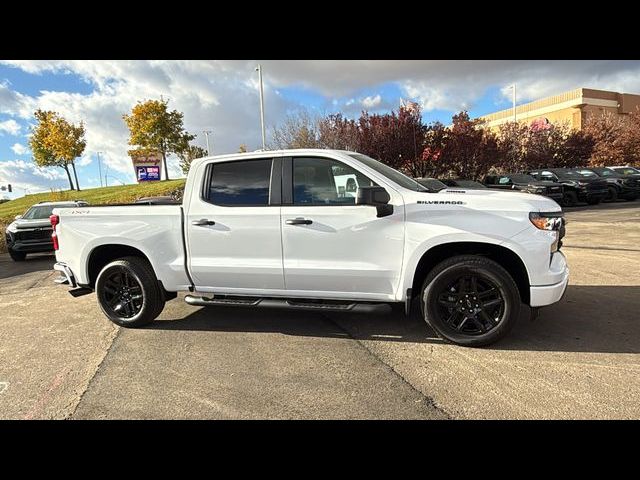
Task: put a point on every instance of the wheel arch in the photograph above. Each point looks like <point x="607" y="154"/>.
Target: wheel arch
<point x="106" y="253"/>
<point x="502" y="255"/>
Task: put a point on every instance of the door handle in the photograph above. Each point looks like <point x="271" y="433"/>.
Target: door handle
<point x="202" y="222"/>
<point x="298" y="221"/>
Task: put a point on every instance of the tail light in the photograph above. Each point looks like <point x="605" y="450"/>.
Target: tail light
<point x="55" y="220"/>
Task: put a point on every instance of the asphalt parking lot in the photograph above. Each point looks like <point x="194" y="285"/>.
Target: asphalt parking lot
<point x="61" y="358"/>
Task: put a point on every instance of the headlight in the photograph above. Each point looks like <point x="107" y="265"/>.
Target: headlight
<point x="13" y="228"/>
<point x="552" y="222"/>
<point x="547" y="221"/>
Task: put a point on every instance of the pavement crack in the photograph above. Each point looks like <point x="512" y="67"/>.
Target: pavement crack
<point x="428" y="401"/>
<point x="111" y="339"/>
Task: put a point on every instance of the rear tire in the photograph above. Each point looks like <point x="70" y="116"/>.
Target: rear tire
<point x="17" y="256"/>
<point x="129" y="293"/>
<point x="491" y="302"/>
<point x="569" y="199"/>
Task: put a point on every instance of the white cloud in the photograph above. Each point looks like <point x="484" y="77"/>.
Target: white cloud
<point x="371" y="102"/>
<point x="19" y="149"/>
<point x="84" y="161"/>
<point x="222" y="96"/>
<point x="26" y="175"/>
<point x="10" y="126"/>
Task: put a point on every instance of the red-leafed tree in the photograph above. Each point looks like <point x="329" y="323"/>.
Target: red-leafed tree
<point x="610" y="136"/>
<point x="429" y="164"/>
<point x="393" y="138"/>
<point x="470" y="150"/>
<point x="339" y="133"/>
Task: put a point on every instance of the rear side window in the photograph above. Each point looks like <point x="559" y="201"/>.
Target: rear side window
<point x="244" y="183"/>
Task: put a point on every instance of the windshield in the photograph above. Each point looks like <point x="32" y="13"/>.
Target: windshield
<point x="568" y="174"/>
<point x="587" y="173"/>
<point x="36" y="213"/>
<point x="627" y="170"/>
<point x="432" y="184"/>
<point x="392" y="174"/>
<point x="522" y="178"/>
<point x="605" y="172"/>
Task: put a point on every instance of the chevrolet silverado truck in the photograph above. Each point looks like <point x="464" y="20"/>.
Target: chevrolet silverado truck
<point x="272" y="229"/>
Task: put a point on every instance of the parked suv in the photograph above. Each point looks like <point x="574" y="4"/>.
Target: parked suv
<point x="577" y="187"/>
<point x="525" y="183"/>
<point x="620" y="186"/>
<point x="31" y="232"/>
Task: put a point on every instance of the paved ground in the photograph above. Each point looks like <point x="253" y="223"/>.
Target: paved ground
<point x="60" y="358"/>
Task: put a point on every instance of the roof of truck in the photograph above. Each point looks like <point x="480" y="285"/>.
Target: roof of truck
<point x="267" y="153"/>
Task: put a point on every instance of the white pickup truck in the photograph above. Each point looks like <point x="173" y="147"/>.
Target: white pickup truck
<point x="273" y="229"/>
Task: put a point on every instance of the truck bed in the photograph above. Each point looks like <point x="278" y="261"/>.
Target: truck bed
<point x="140" y="226"/>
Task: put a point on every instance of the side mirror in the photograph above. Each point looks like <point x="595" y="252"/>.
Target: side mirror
<point x="18" y="217"/>
<point x="377" y="197"/>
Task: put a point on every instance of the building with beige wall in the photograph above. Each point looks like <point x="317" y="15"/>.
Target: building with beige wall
<point x="573" y="108"/>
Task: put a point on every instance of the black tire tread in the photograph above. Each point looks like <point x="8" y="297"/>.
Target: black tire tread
<point x="153" y="296"/>
<point x="17" y="256"/>
<point x="482" y="262"/>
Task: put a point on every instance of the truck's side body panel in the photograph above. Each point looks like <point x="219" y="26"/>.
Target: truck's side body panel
<point x="154" y="230"/>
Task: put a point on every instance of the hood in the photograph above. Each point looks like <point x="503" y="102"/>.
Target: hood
<point x="487" y="200"/>
<point x="34" y="223"/>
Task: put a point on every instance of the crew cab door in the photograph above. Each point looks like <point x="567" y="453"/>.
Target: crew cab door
<point x="332" y="247"/>
<point x="233" y="227"/>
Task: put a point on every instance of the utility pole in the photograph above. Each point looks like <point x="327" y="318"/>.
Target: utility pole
<point x="99" y="167"/>
<point x="206" y="135"/>
<point x="259" y="70"/>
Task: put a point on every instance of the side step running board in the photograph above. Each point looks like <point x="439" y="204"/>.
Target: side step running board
<point x="291" y="304"/>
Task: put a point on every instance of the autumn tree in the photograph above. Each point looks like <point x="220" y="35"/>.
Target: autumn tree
<point x="338" y="133"/>
<point x="299" y="130"/>
<point x="188" y="154"/>
<point x="152" y="127"/>
<point x="470" y="149"/>
<point x="393" y="138"/>
<point x="242" y="148"/>
<point x="57" y="143"/>
<point x="429" y="163"/>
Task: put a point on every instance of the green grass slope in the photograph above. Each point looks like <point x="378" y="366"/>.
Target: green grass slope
<point x="95" y="196"/>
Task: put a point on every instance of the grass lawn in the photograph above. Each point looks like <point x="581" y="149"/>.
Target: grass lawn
<point x="95" y="196"/>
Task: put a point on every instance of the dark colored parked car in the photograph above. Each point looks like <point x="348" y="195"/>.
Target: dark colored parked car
<point x="31" y="232"/>
<point x="577" y="187"/>
<point x="432" y="184"/>
<point x="525" y="183"/>
<point x="620" y="186"/>
<point x="462" y="183"/>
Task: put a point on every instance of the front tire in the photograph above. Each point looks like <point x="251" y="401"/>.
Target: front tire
<point x="612" y="195"/>
<point x="128" y="292"/>
<point x="569" y="199"/>
<point x="470" y="300"/>
<point x="17" y="256"/>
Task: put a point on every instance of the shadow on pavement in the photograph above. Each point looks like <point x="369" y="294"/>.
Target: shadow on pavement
<point x="35" y="262"/>
<point x="589" y="319"/>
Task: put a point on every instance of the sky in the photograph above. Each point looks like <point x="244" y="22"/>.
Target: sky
<point x="222" y="96"/>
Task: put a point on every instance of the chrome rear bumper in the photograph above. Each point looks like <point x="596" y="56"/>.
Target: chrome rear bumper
<point x="67" y="277"/>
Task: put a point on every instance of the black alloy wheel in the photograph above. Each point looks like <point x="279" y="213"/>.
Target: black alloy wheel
<point x="470" y="300"/>
<point x="123" y="293"/>
<point x="129" y="293"/>
<point x="471" y="304"/>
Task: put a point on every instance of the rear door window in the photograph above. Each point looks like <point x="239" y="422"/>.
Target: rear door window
<point x="240" y="183"/>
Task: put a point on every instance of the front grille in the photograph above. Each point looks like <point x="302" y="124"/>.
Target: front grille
<point x="36" y="234"/>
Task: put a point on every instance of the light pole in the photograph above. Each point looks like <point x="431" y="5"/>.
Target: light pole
<point x="99" y="167"/>
<point x="515" y="118"/>
<point x="259" y="70"/>
<point x="206" y="135"/>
